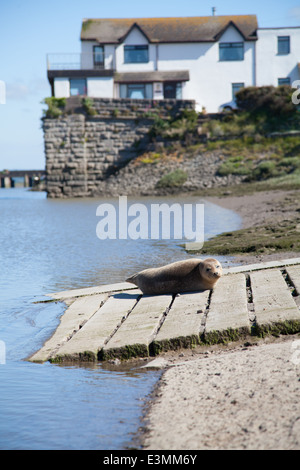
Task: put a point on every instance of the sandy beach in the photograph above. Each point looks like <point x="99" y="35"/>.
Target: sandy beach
<point x="238" y="396"/>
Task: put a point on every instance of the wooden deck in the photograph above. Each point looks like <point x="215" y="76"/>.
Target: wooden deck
<point x="118" y="321"/>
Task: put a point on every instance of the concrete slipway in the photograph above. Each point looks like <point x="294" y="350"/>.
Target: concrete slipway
<point x="118" y="321"/>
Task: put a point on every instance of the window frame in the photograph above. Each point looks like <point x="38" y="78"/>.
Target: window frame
<point x="177" y="86"/>
<point x="130" y="48"/>
<point x="286" y="79"/>
<point x="231" y="46"/>
<point x="136" y="86"/>
<point x="124" y="90"/>
<point x="235" y="84"/>
<point x="85" y="86"/>
<point x="96" y="63"/>
<point x="283" y="40"/>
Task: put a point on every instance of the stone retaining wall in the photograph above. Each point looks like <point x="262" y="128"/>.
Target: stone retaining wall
<point x="83" y="147"/>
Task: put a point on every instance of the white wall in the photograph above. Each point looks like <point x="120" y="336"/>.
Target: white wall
<point x="100" y="87"/>
<point x="135" y="38"/>
<point x="270" y="65"/>
<point x="87" y="49"/>
<point x="211" y="80"/>
<point x="61" y="88"/>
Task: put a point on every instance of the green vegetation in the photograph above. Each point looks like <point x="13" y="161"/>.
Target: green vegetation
<point x="174" y="179"/>
<point x="88" y="106"/>
<point x="225" y="336"/>
<point x="56" y="107"/>
<point x="151" y="157"/>
<point x="260" y="159"/>
<point x="175" y="128"/>
<point x="287" y="327"/>
<point x="259" y="141"/>
<point x="278" y="236"/>
<point x="256" y="141"/>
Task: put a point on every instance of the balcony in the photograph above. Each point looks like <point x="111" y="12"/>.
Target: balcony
<point x="77" y="61"/>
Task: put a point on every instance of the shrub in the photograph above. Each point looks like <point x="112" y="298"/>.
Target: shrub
<point x="172" y="180"/>
<point x="158" y="127"/>
<point x="269" y="100"/>
<point x="56" y="107"/>
<point x="88" y="106"/>
<point x="235" y="166"/>
<point x="265" y="170"/>
<point x="290" y="164"/>
<point x="177" y="127"/>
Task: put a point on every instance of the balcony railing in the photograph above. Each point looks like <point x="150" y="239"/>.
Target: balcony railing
<point x="76" y="61"/>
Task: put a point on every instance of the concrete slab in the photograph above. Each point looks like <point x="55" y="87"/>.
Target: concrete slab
<point x="120" y="286"/>
<point x="294" y="274"/>
<point x="135" y="335"/>
<point x="76" y="315"/>
<point x="182" y="325"/>
<point x="228" y="315"/>
<point x="91" y="338"/>
<point x="260" y="266"/>
<point x="274" y="306"/>
<point x="118" y="321"/>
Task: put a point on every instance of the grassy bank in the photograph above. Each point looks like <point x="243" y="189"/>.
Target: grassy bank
<point x="273" y="237"/>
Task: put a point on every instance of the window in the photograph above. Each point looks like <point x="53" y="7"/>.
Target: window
<point x="283" y="45"/>
<point x="98" y="56"/>
<point x="137" y="91"/>
<point x="231" y="51"/>
<point x="284" y="81"/>
<point x="77" y="86"/>
<point x="172" y="90"/>
<point x="135" y="54"/>
<point x="235" y="88"/>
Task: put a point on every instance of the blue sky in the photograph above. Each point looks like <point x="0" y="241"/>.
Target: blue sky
<point x="29" y="29"/>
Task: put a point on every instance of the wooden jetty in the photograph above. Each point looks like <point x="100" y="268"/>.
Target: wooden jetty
<point x="118" y="321"/>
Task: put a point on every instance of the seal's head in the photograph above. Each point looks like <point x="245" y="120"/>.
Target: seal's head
<point x="210" y="270"/>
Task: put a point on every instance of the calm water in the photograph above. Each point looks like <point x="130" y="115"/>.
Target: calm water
<point x="48" y="246"/>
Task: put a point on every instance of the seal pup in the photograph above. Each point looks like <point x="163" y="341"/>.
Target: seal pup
<point x="181" y="276"/>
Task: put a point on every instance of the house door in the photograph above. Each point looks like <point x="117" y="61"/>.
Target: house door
<point x="170" y="90"/>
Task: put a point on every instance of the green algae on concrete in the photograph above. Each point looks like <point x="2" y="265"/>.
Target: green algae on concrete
<point x="287" y="327"/>
<point x="125" y="352"/>
<point x="85" y="356"/>
<point x="173" y="344"/>
<point x="225" y="336"/>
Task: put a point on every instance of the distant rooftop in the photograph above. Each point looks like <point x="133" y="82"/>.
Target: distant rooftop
<point x="168" y="30"/>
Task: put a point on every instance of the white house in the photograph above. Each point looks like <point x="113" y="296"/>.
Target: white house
<point x="278" y="56"/>
<point x="207" y="59"/>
